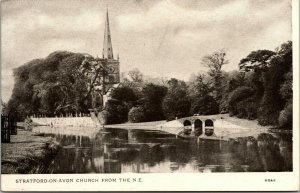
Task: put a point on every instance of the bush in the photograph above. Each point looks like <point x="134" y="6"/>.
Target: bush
<point x="117" y="112"/>
<point x="136" y="114"/>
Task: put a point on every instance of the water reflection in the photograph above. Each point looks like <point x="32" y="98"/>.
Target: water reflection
<point x="121" y="151"/>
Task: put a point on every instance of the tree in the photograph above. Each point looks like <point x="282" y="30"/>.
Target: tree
<point x="215" y="62"/>
<point x="124" y="94"/>
<point x="231" y="81"/>
<point x="235" y="97"/>
<point x="151" y="100"/>
<point x="202" y="101"/>
<point x="256" y="60"/>
<point x="286" y="88"/>
<point x="177" y="102"/>
<point x="63" y="82"/>
<point x="116" y="112"/>
<point x="135" y="81"/>
<point x="272" y="103"/>
<point x="285" y="118"/>
<point x="136" y="115"/>
<point x="136" y="75"/>
<point x="123" y="99"/>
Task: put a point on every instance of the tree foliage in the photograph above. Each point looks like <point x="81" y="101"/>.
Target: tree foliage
<point x="202" y="101"/>
<point x="59" y="84"/>
<point x="65" y="82"/>
<point x="151" y="101"/>
<point x="136" y="115"/>
<point x="177" y="102"/>
<point x="215" y="62"/>
<point x="117" y="112"/>
<point x="256" y="60"/>
<point x="123" y="99"/>
<point x="274" y="77"/>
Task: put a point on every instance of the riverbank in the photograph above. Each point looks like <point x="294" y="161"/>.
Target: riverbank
<point x="27" y="152"/>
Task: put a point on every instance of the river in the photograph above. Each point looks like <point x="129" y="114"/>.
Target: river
<point x="93" y="150"/>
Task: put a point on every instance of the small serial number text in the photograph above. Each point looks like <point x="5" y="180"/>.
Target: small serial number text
<point x="270" y="180"/>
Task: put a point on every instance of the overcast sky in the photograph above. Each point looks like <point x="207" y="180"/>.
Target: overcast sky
<point x="160" y="37"/>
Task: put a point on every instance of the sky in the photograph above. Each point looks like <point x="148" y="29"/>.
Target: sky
<point x="162" y="38"/>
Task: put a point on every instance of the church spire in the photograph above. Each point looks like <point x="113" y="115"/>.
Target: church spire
<point x="107" y="46"/>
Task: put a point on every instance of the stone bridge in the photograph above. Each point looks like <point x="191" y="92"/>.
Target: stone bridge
<point x="194" y="125"/>
<point x="210" y="127"/>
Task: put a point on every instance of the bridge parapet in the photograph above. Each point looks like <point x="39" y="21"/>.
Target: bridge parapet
<point x="200" y="117"/>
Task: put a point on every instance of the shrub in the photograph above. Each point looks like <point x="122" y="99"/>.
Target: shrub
<point x="136" y="114"/>
<point x="117" y="112"/>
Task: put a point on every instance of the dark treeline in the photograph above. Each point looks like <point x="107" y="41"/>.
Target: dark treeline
<point x="50" y="86"/>
<point x="261" y="89"/>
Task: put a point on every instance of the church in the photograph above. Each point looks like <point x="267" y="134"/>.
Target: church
<point x="110" y="77"/>
<point x="112" y="65"/>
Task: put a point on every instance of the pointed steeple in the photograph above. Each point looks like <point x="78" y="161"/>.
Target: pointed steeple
<point x="107" y="46"/>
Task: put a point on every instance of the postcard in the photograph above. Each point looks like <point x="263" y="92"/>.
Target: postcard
<point x="160" y="95"/>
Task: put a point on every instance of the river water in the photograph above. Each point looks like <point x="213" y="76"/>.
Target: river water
<point x="93" y="150"/>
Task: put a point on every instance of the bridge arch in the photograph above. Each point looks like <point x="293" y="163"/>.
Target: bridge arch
<point x="187" y="123"/>
<point x="209" y="123"/>
<point x="209" y="127"/>
<point x="198" y="127"/>
<point x="187" y="127"/>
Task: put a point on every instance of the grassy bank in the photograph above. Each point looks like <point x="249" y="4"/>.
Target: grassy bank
<point x="27" y="153"/>
<point x="253" y="124"/>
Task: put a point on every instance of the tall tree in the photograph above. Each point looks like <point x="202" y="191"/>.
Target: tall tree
<point x="134" y="80"/>
<point x="177" y="102"/>
<point x="202" y="101"/>
<point x="256" y="60"/>
<point x="151" y="101"/>
<point x="214" y="62"/>
<point x="272" y="102"/>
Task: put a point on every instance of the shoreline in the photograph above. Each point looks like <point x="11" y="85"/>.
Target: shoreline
<point x="27" y="153"/>
<point x="88" y="122"/>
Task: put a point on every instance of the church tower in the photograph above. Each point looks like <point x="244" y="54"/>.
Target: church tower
<point x="107" y="46"/>
<point x="110" y="75"/>
<point x="112" y="65"/>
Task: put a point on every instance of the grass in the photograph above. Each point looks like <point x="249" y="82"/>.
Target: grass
<point x="25" y="152"/>
<point x="253" y="124"/>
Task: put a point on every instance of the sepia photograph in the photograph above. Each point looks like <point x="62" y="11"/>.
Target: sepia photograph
<point x="113" y="92"/>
